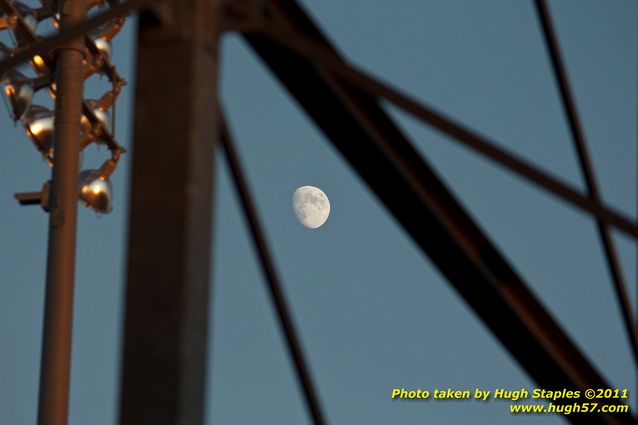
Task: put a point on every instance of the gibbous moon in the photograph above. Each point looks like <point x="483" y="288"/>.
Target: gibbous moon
<point x="311" y="206"/>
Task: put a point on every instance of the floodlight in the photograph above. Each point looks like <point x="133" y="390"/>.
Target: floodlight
<point x="95" y="191"/>
<point x="38" y="123"/>
<point x="104" y="46"/>
<point x="39" y="65"/>
<point x="29" y="15"/>
<point x="19" y="91"/>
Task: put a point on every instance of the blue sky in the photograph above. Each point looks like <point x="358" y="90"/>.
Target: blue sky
<point x="373" y="312"/>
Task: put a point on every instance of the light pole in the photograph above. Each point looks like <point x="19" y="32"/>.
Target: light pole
<point x="60" y="136"/>
<point x="55" y="369"/>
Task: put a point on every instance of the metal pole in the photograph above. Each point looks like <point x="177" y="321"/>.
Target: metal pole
<point x="58" y="311"/>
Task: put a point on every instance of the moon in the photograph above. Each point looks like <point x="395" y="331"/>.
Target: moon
<point x="311" y="206"/>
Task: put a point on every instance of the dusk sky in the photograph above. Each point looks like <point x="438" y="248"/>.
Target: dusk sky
<point x="373" y="312"/>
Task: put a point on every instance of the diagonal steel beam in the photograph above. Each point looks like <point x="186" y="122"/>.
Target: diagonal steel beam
<point x="325" y="58"/>
<point x="404" y="182"/>
<point x="274" y="285"/>
<point x="587" y="168"/>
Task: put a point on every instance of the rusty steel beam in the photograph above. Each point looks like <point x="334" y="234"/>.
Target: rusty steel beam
<point x="169" y="248"/>
<point x="374" y="146"/>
